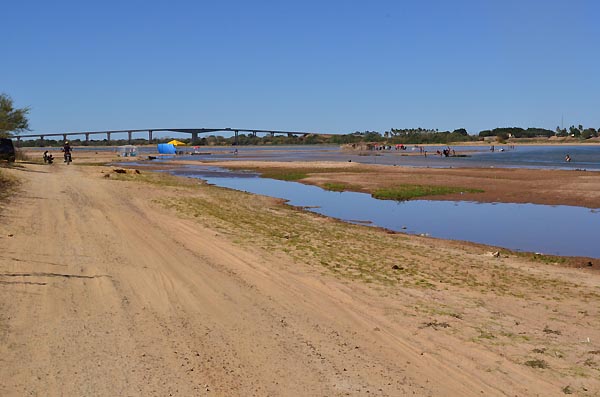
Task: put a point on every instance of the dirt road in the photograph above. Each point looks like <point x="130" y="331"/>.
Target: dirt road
<point x="104" y="292"/>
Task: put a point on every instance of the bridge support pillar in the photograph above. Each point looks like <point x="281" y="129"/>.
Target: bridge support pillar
<point x="149" y="136"/>
<point x="254" y="134"/>
<point x="41" y="140"/>
<point x="129" y="133"/>
<point x="87" y="138"/>
<point x="64" y="138"/>
<point x="194" y="137"/>
<point x="18" y="141"/>
<point x="108" y="137"/>
<point x="236" y="137"/>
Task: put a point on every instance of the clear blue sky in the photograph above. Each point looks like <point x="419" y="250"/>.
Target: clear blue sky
<point x="328" y="66"/>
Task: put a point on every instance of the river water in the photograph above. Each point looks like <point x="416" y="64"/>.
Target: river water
<point x="534" y="156"/>
<point x="557" y="230"/>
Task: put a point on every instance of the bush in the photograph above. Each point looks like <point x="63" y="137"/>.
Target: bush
<point x="20" y="155"/>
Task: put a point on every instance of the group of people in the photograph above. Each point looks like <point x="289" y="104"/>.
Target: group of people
<point x="66" y="149"/>
<point x="446" y="152"/>
<point x="48" y="157"/>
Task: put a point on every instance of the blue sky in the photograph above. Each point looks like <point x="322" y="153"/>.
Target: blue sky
<point x="327" y="66"/>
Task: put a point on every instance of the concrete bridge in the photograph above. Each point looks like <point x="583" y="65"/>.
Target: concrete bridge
<point x="193" y="131"/>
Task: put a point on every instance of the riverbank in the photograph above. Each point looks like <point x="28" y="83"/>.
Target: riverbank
<point x="505" y="185"/>
<point x="151" y="284"/>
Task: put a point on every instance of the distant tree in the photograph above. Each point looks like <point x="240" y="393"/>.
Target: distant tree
<point x="561" y="132"/>
<point x="311" y="139"/>
<point x="588" y="133"/>
<point x="502" y="136"/>
<point x="517" y="132"/>
<point x="11" y="120"/>
<point x="460" y="131"/>
<point x="574" y="131"/>
<point x="372" y="136"/>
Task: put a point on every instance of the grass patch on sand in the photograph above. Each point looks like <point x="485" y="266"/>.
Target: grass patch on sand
<point x="542" y="258"/>
<point x="335" y="187"/>
<point x="284" y="175"/>
<point x="7" y="186"/>
<point x="294" y="173"/>
<point x="537" y="364"/>
<point x="155" y="178"/>
<point x="408" y="192"/>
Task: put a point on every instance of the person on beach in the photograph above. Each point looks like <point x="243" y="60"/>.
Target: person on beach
<point x="568" y="158"/>
<point x="46" y="156"/>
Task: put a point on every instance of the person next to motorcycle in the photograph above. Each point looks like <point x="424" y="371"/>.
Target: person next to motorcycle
<point x="66" y="149"/>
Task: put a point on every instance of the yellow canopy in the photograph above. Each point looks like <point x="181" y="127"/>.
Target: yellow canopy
<point x="175" y="142"/>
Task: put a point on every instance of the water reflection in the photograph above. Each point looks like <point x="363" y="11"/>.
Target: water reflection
<point x="558" y="230"/>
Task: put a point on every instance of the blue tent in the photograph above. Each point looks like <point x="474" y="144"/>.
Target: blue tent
<point x="166" y="148"/>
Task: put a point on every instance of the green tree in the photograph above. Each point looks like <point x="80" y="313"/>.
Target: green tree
<point x="11" y="119"/>
<point x="372" y="136"/>
<point x="574" y="131"/>
<point x="588" y="133"/>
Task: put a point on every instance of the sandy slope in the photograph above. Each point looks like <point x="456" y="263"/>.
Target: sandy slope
<point x="104" y="292"/>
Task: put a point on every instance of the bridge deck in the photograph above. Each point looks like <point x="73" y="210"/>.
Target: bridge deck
<point x="193" y="131"/>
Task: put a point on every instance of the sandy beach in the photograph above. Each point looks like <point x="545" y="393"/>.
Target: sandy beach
<point x="147" y="284"/>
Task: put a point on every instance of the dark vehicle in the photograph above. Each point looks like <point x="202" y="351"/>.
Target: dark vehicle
<point x="7" y="150"/>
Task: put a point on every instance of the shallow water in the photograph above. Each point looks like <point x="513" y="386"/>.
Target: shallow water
<point x="532" y="156"/>
<point x="557" y="230"/>
<point x="539" y="156"/>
